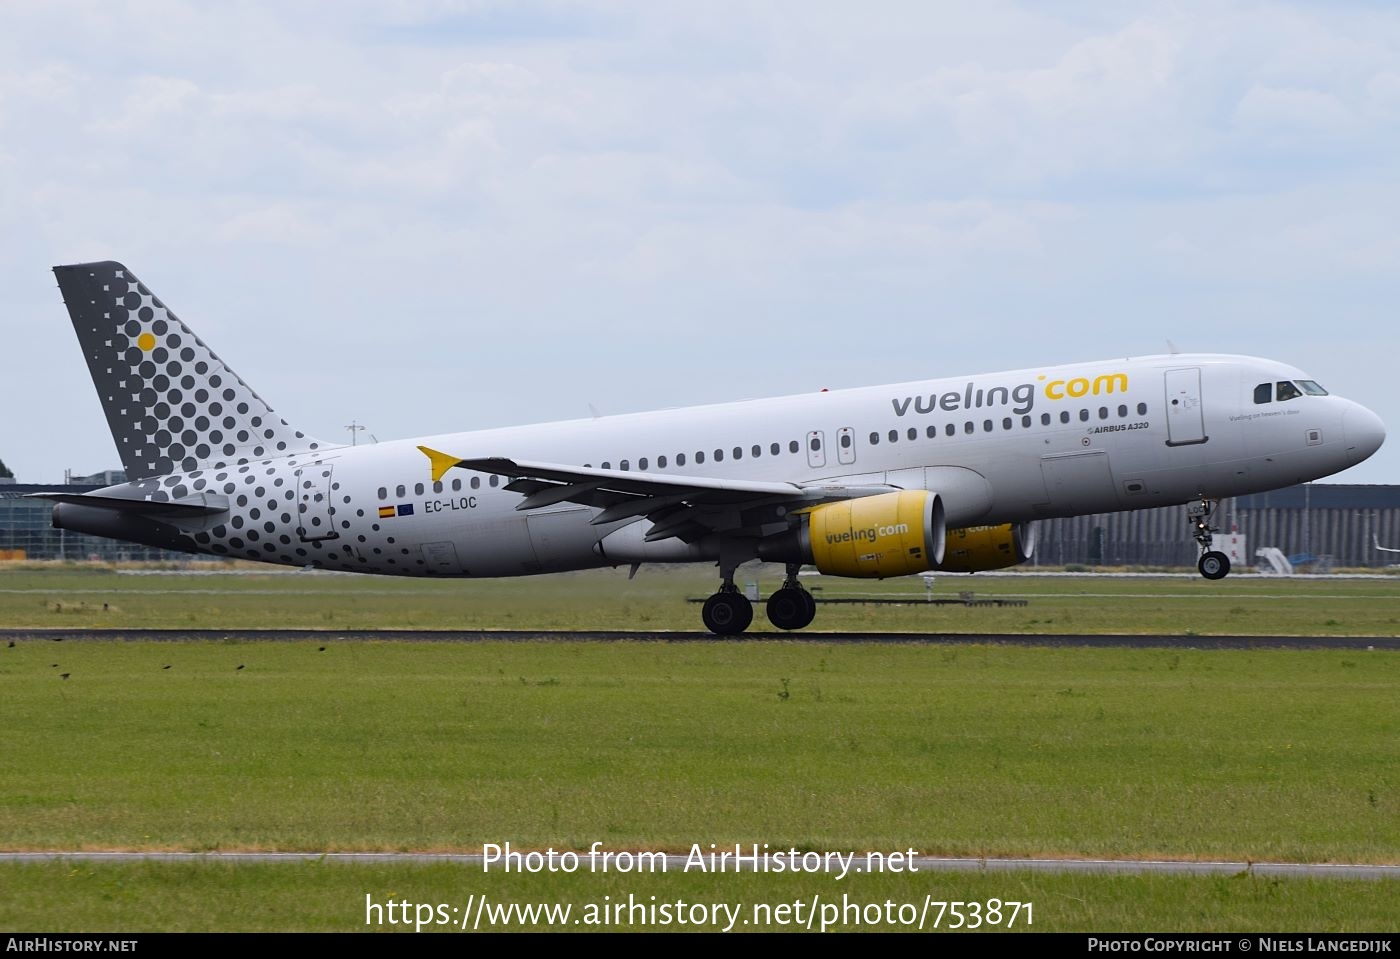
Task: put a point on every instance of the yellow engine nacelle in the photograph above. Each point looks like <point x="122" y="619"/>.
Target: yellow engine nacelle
<point x="978" y="548"/>
<point x="891" y="534"/>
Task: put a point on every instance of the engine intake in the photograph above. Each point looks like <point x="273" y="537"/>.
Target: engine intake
<point x="976" y="549"/>
<point x="890" y="534"/>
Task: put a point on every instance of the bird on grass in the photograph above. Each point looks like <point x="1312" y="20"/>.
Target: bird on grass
<point x="165" y="667"/>
<point x="240" y="666"/>
<point x="64" y="675"/>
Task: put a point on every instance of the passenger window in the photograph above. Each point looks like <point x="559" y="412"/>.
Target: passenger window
<point x="437" y="487"/>
<point x="793" y="446"/>
<point x="680" y="459"/>
<point x="1006" y="423"/>
<point x="699" y="457"/>
<point x="968" y="427"/>
<point x="607" y="465"/>
<point x="1287" y="391"/>
<point x="932" y="432"/>
<point x="719" y="456"/>
<point x="1025" y="422"/>
<point x="1064" y="416"/>
<point x="1083" y="416"/>
<point x="1142" y="409"/>
<point x="816" y="443"/>
<point x="913" y="433"/>
<point x="476" y="482"/>
<point x="845" y="441"/>
<point x="1122" y="411"/>
<point x="894" y="436"/>
<point x="874" y="439"/>
<point x="456" y="485"/>
<point x="661" y="462"/>
<point x="624" y="466"/>
<point x="494" y="479"/>
<point x="950" y="430"/>
<point x="738" y="452"/>
<point x="1044" y="419"/>
<point x="642" y="464"/>
<point x="402" y="492"/>
<point x="775" y="449"/>
<point x="1264" y="393"/>
<point x="757" y="450"/>
<point x="383" y="493"/>
<point x="986" y="426"/>
<point x="1103" y="412"/>
<point x="418" y="489"/>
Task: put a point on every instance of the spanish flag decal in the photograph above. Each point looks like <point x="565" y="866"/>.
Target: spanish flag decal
<point x="385" y="512"/>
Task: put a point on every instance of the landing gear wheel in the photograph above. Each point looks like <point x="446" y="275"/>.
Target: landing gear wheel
<point x="791" y="608"/>
<point x="727" y="614"/>
<point x="1214" y="565"/>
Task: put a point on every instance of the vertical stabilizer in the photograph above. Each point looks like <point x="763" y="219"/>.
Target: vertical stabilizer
<point x="171" y="403"/>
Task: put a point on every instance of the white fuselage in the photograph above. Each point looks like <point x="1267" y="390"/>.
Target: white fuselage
<point x="998" y="448"/>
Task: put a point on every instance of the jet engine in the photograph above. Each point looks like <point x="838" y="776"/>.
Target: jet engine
<point x="889" y="534"/>
<point x="975" y="549"/>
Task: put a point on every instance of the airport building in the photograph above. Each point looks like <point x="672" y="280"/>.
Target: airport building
<point x="26" y="529"/>
<point x="1314" y="527"/>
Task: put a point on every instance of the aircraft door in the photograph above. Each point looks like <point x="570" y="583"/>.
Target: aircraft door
<point x="562" y="537"/>
<point x="816" y="449"/>
<point x="1079" y="482"/>
<point x="1185" y="416"/>
<point x="314" y="511"/>
<point x="846" y="445"/>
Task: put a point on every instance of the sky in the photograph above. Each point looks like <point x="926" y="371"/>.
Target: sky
<point x="434" y="216"/>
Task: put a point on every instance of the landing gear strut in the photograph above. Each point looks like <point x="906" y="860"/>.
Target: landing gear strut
<point x="728" y="612"/>
<point x="791" y="607"/>
<point x="1213" y="564"/>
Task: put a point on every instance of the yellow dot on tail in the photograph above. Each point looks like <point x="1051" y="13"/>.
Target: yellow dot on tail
<point x="147" y="342"/>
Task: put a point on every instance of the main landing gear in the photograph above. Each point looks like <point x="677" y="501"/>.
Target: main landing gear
<point x="791" y="607"/>
<point x="729" y="612"/>
<point x="1213" y="564"/>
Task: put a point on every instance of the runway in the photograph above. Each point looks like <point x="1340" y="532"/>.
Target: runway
<point x="678" y="863"/>
<point x="1130" y="641"/>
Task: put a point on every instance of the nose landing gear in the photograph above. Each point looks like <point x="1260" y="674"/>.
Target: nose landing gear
<point x="1213" y="564"/>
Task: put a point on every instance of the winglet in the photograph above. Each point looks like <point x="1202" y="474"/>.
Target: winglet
<point x="442" y="462"/>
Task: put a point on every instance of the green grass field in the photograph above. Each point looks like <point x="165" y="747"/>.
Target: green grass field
<point x="656" y="600"/>
<point x="1264" y="755"/>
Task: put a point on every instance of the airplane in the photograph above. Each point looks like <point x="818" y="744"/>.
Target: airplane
<point x="882" y="481"/>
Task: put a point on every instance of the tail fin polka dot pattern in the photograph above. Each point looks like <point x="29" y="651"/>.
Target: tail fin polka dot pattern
<point x="171" y="403"/>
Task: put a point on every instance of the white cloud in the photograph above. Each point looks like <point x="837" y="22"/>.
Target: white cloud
<point x="724" y="183"/>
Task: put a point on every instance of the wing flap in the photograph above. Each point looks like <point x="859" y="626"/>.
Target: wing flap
<point x="676" y="505"/>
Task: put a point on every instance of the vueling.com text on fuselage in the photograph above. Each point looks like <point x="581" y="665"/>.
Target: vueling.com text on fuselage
<point x="974" y="397"/>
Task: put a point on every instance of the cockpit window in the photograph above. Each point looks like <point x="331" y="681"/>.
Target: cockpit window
<point x="1311" y="388"/>
<point x="1264" y="393"/>
<point x="1287" y="391"/>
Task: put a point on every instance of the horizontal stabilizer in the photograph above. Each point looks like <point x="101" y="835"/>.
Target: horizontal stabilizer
<point x="204" y="504"/>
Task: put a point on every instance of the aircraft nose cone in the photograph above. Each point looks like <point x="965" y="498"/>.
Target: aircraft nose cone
<point x="1364" y="433"/>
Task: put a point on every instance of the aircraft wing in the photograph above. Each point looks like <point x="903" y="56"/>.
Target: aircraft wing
<point x="685" y="506"/>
